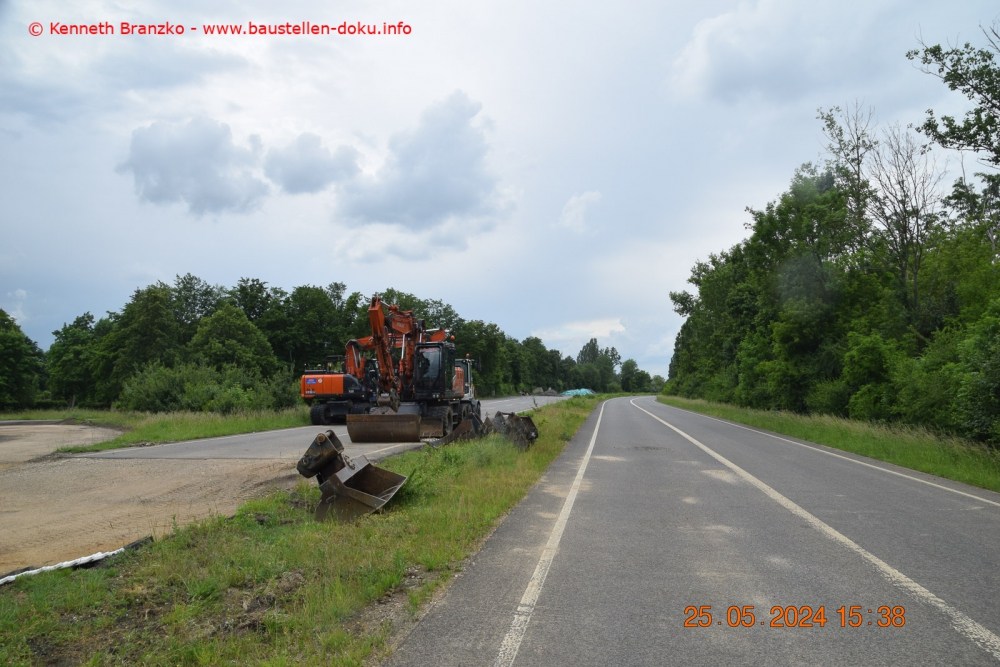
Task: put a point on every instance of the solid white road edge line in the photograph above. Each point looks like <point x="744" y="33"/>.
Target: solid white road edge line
<point x="839" y="456"/>
<point x="962" y="623"/>
<point x="512" y="641"/>
<point x="385" y="449"/>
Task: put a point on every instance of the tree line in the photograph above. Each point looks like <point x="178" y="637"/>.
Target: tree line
<point x="191" y="345"/>
<point x="871" y="288"/>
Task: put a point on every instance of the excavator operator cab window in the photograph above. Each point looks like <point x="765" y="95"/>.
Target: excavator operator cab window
<point x="335" y="364"/>
<point x="428" y="368"/>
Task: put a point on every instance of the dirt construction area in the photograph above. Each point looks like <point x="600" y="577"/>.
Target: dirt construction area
<point x="55" y="508"/>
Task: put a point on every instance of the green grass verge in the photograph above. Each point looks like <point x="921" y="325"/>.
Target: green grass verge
<point x="271" y="586"/>
<point x="906" y="446"/>
<point x="143" y="427"/>
<point x="100" y="417"/>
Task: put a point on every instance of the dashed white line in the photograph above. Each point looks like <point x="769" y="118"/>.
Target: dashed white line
<point x="512" y="641"/>
<point x="962" y="623"/>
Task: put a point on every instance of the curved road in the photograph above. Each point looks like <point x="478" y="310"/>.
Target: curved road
<point x="118" y="496"/>
<point x="660" y="510"/>
<point x="291" y="443"/>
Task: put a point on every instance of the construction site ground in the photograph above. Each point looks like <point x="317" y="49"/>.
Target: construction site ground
<point x="55" y="508"/>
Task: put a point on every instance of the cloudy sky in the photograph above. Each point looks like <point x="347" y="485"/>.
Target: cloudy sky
<point x="554" y="167"/>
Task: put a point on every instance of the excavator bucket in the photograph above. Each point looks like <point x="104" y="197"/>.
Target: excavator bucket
<point x="466" y="430"/>
<point x="520" y="430"/>
<point x="351" y="487"/>
<point x="384" y="428"/>
<point x="359" y="488"/>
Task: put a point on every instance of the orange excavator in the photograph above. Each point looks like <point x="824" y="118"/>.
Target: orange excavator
<point x="425" y="392"/>
<point x="343" y="386"/>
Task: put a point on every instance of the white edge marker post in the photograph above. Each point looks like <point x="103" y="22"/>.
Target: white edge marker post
<point x="512" y="641"/>
<point x="962" y="623"/>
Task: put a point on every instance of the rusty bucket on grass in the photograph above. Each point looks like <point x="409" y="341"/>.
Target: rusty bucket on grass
<point x="351" y="487"/>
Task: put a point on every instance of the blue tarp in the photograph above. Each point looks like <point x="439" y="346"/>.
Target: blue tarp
<point x="578" y="392"/>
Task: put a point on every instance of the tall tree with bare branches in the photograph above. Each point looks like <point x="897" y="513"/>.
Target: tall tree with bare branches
<point x="905" y="204"/>
<point x="891" y="187"/>
<point x="851" y="140"/>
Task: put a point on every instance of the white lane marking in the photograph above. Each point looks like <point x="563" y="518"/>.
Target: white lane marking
<point x="376" y="451"/>
<point x="512" y="642"/>
<point x="840" y="456"/>
<point x="962" y="623"/>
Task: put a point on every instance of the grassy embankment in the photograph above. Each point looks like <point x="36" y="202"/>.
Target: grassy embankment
<point x="170" y="426"/>
<point x="906" y="446"/>
<point x="272" y="586"/>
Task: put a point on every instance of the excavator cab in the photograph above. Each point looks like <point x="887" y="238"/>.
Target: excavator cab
<point x="433" y="370"/>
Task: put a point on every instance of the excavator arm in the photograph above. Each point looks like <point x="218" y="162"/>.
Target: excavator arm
<point x="383" y="342"/>
<point x="395" y="329"/>
<point x="389" y="331"/>
<point x="354" y="360"/>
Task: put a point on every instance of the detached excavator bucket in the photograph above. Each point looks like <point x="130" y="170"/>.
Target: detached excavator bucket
<point x="520" y="430"/>
<point x="384" y="428"/>
<point x="357" y="489"/>
<point x="466" y="430"/>
<point x="350" y="487"/>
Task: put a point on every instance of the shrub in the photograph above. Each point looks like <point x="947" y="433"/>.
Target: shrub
<point x="979" y="395"/>
<point x="197" y="387"/>
<point x="829" y="398"/>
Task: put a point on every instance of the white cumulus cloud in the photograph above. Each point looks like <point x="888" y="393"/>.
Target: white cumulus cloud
<point x="197" y="163"/>
<point x="306" y="165"/>
<point x="434" y="173"/>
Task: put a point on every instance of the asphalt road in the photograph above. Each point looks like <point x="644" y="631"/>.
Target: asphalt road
<point x="290" y="443"/>
<point x="599" y="563"/>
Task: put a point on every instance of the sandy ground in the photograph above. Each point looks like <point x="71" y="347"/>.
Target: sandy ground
<point x="58" y="509"/>
<point x="19" y="444"/>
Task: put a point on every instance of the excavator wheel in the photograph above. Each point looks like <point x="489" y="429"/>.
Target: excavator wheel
<point x="448" y="418"/>
<point x="317" y="414"/>
<point x="437" y="423"/>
